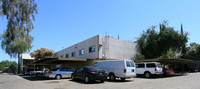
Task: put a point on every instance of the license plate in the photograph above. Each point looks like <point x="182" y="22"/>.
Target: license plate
<point x="100" y="73"/>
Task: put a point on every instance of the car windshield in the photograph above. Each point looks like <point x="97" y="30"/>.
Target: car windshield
<point x="159" y="66"/>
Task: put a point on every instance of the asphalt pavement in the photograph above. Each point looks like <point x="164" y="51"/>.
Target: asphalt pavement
<point x="187" y="81"/>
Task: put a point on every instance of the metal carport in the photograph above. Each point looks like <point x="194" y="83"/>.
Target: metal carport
<point x="170" y="61"/>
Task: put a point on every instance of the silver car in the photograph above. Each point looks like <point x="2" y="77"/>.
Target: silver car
<point x="59" y="73"/>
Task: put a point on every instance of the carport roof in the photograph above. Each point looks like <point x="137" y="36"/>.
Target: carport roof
<point x="168" y="61"/>
<point x="51" y="60"/>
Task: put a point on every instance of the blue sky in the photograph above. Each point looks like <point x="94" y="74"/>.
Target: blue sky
<point x="62" y="23"/>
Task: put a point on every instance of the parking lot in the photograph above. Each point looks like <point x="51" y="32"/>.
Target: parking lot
<point x="188" y="81"/>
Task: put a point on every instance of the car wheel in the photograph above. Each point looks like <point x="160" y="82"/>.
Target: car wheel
<point x="73" y="78"/>
<point x="86" y="79"/>
<point x="123" y="79"/>
<point x="147" y="74"/>
<point x="58" y="77"/>
<point x="112" y="77"/>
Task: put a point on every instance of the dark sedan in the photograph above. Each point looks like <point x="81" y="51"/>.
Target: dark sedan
<point x="88" y="74"/>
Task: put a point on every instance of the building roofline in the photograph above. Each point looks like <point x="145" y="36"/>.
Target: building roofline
<point x="98" y="38"/>
<point x="76" y="44"/>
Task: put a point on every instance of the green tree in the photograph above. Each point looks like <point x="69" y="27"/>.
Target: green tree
<point x="170" y="54"/>
<point x="42" y="53"/>
<point x="154" y="44"/>
<point x="1" y="67"/>
<point x="13" y="67"/>
<point x="192" y="52"/>
<point x="139" y="56"/>
<point x="148" y="43"/>
<point x="21" y="44"/>
<point x="6" y="63"/>
<point x="19" y="14"/>
<point x="10" y="64"/>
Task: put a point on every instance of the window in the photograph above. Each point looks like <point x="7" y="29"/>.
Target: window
<point x="132" y="64"/>
<point x="55" y="69"/>
<point x="159" y="66"/>
<point x="95" y="64"/>
<point x="91" y="49"/>
<point x="61" y="56"/>
<point x="73" y="54"/>
<point x="70" y="70"/>
<point x="139" y="65"/>
<point x="151" y="65"/>
<point x="67" y="56"/>
<point x="79" y="70"/>
<point x="81" y="52"/>
<point x="128" y="64"/>
<point x="63" y="69"/>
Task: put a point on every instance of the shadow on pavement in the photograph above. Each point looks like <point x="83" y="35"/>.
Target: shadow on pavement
<point x="98" y="82"/>
<point x="120" y="81"/>
<point x="163" y="76"/>
<point x="82" y="82"/>
<point x="37" y="78"/>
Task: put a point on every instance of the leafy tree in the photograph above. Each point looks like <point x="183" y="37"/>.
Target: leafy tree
<point x="170" y="54"/>
<point x="19" y="14"/>
<point x="11" y="64"/>
<point x="139" y="56"/>
<point x="192" y="51"/>
<point x="13" y="67"/>
<point x="5" y="63"/>
<point x="1" y="67"/>
<point x="21" y="44"/>
<point x="148" y="41"/>
<point x="154" y="44"/>
<point x="42" y="53"/>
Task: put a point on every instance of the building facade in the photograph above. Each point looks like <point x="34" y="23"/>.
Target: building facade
<point x="25" y="60"/>
<point x="101" y="47"/>
<point x="96" y="48"/>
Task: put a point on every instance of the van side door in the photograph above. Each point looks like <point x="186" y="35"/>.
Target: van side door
<point x="130" y="67"/>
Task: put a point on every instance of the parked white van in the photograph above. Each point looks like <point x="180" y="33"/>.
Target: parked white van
<point x="149" y="68"/>
<point x="117" y="68"/>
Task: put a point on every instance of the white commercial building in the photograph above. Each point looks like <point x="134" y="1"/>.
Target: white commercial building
<point x="101" y="47"/>
<point x="25" y="60"/>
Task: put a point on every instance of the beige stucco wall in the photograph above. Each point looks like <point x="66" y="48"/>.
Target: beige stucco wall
<point x="117" y="49"/>
<point x="82" y="45"/>
<point x="105" y="48"/>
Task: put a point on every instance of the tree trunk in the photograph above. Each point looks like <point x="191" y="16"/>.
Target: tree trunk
<point x="19" y="63"/>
